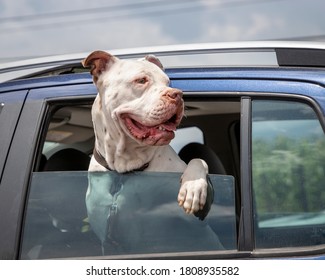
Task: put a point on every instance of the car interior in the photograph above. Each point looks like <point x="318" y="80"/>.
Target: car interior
<point x="212" y="134"/>
<point x="70" y="137"/>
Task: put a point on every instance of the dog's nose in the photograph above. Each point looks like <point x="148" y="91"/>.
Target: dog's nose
<point x="173" y="94"/>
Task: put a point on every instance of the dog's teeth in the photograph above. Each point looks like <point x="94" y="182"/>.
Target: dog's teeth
<point x="161" y="128"/>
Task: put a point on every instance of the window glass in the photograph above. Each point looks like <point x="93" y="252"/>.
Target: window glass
<point x="288" y="161"/>
<point x="131" y="213"/>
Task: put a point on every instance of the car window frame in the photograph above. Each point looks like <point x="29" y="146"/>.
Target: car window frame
<point x="54" y="104"/>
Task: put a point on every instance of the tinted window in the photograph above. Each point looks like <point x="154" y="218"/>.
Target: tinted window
<point x="288" y="146"/>
<point x="121" y="214"/>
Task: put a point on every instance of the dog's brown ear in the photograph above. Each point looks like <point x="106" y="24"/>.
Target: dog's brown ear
<point x="153" y="59"/>
<point x="98" y="61"/>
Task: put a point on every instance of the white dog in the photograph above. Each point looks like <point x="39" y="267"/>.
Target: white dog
<point x="135" y="115"/>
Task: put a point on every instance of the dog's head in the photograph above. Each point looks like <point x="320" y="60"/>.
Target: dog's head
<point x="135" y="95"/>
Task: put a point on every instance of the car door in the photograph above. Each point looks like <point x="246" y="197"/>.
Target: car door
<point x="22" y="155"/>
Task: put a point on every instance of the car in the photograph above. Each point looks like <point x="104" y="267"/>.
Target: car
<point x="254" y="111"/>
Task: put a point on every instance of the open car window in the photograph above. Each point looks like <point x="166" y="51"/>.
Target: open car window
<point x="121" y="214"/>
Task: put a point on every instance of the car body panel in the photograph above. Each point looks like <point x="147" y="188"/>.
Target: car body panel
<point x="11" y="105"/>
<point x="265" y="80"/>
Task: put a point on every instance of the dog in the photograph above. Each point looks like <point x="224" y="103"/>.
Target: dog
<point x="135" y="115"/>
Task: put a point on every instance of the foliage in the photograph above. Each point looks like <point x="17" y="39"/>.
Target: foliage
<point x="289" y="175"/>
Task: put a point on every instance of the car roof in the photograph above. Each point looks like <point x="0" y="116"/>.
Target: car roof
<point x="253" y="53"/>
<point x="300" y="63"/>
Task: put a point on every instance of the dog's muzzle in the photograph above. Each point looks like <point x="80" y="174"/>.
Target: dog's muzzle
<point x="159" y="128"/>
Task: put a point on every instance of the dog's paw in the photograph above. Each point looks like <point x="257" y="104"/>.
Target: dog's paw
<point x="192" y="195"/>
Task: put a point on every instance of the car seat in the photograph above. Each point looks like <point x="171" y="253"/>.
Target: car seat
<point x="67" y="160"/>
<point x="57" y="225"/>
<point x="197" y="150"/>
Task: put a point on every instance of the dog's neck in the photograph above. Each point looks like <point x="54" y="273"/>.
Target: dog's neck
<point x="102" y="161"/>
<point x="123" y="157"/>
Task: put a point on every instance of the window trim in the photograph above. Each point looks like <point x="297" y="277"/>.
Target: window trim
<point x="245" y="233"/>
<point x="291" y="98"/>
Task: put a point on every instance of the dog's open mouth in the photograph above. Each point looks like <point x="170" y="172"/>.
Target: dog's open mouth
<point x="158" y="134"/>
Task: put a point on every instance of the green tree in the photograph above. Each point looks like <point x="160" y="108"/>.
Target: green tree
<point x="289" y="175"/>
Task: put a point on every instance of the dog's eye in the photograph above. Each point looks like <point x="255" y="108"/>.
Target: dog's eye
<point x="141" y="81"/>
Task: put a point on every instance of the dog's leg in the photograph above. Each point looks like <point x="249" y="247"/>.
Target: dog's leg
<point x="195" y="194"/>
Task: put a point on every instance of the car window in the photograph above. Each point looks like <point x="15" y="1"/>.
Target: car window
<point x="124" y="214"/>
<point x="132" y="213"/>
<point x="288" y="156"/>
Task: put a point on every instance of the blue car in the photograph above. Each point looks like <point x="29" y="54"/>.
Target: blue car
<point x="254" y="111"/>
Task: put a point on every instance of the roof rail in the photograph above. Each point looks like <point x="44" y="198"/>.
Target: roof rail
<point x="288" y="53"/>
<point x="300" y="57"/>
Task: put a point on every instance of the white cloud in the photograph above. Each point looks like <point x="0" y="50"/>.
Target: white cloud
<point x="254" y="26"/>
<point x="79" y="37"/>
<point x="263" y="24"/>
<point x="129" y="34"/>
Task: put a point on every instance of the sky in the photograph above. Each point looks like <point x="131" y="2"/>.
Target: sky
<point x="34" y="28"/>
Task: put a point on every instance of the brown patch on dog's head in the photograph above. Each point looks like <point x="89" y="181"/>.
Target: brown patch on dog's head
<point x="98" y="61"/>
